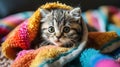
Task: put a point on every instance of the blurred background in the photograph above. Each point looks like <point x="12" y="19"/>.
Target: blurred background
<point x="8" y="7"/>
<point x="102" y="15"/>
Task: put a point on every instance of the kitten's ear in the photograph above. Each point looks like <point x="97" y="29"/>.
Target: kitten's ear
<point x="76" y="13"/>
<point x="44" y="12"/>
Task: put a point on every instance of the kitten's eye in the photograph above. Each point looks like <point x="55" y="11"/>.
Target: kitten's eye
<point x="51" y="29"/>
<point x="66" y="29"/>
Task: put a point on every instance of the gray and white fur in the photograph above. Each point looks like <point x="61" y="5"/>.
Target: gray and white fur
<point x="61" y="27"/>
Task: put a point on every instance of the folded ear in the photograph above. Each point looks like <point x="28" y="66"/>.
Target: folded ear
<point x="76" y="13"/>
<point x="44" y="12"/>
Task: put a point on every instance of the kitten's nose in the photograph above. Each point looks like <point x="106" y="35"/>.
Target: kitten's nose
<point x="58" y="35"/>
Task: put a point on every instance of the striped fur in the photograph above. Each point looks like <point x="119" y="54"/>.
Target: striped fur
<point x="61" y="27"/>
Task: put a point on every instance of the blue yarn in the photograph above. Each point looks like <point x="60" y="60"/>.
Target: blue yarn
<point x="86" y="56"/>
<point x="90" y="57"/>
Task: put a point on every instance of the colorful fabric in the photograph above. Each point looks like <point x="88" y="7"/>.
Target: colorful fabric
<point x="22" y="36"/>
<point x="9" y="23"/>
<point x="93" y="58"/>
<point x="17" y="44"/>
<point x="105" y="18"/>
<point x="96" y="19"/>
<point x="98" y="39"/>
<point x="48" y="55"/>
<point x="38" y="58"/>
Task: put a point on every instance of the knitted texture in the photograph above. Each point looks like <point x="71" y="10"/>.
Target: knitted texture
<point x="42" y="54"/>
<point x="4" y="62"/>
<point x="21" y="36"/>
<point x="20" y="39"/>
<point x="38" y="56"/>
<point x="24" y="61"/>
<point x="9" y="23"/>
<point x="6" y="25"/>
<point x="98" y="39"/>
<point x="56" y="5"/>
<point x="93" y="58"/>
<point x="48" y="53"/>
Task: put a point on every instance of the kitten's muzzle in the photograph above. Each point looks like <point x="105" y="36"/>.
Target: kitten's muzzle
<point x="58" y="36"/>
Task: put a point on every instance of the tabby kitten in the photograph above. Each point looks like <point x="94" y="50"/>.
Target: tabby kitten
<point x="61" y="27"/>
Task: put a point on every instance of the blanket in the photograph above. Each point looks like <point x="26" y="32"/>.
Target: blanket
<point x="6" y="25"/>
<point x="105" y="18"/>
<point x="17" y="44"/>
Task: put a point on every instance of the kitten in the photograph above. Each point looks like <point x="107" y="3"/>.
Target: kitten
<point x="61" y="27"/>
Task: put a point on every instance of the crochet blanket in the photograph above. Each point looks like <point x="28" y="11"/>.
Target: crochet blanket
<point x="6" y="25"/>
<point x="17" y="44"/>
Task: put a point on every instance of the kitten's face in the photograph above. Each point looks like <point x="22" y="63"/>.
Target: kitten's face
<point x="61" y="27"/>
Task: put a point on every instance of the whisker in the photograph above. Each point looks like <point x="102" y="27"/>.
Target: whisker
<point x="69" y="44"/>
<point x="73" y="41"/>
<point x="44" y="43"/>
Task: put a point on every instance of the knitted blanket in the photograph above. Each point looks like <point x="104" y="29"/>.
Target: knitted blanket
<point x="6" y="25"/>
<point x="22" y="36"/>
<point x="17" y="44"/>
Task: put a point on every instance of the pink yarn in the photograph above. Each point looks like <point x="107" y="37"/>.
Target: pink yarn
<point x="22" y="53"/>
<point x="24" y="34"/>
<point x="107" y="63"/>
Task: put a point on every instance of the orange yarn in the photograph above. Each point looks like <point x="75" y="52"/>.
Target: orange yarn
<point x="98" y="39"/>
